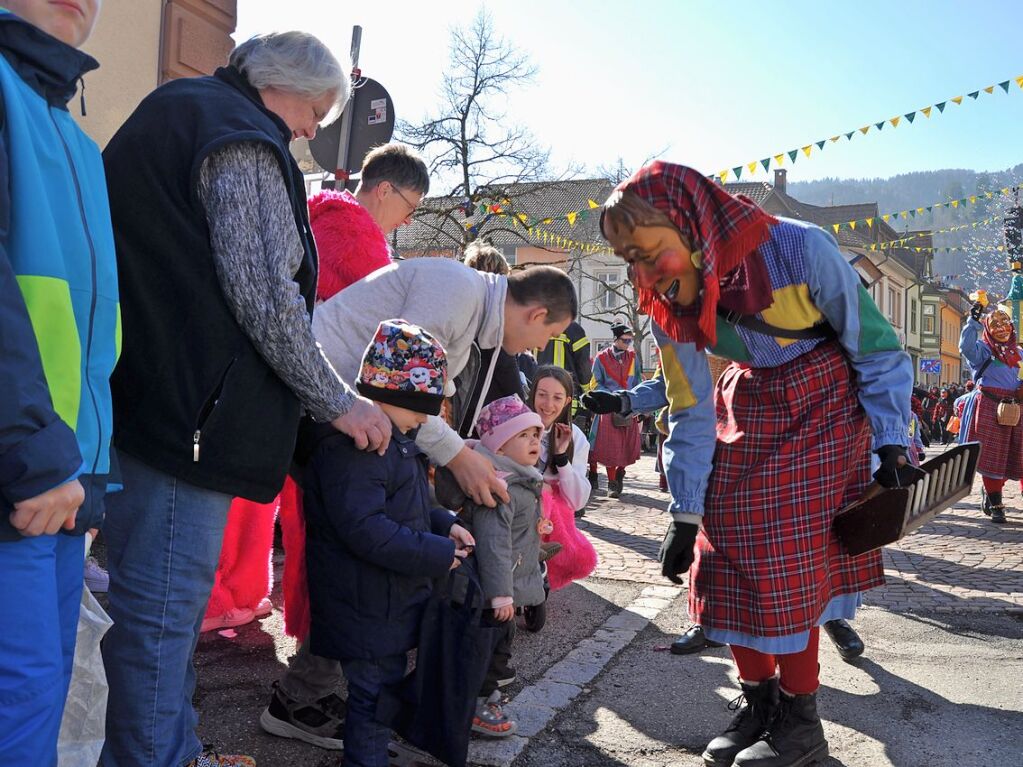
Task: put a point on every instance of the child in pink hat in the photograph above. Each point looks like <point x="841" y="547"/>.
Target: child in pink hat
<point x="507" y="540"/>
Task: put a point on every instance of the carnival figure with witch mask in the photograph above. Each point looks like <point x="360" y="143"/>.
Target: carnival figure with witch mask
<point x="816" y="371"/>
<point x="989" y="344"/>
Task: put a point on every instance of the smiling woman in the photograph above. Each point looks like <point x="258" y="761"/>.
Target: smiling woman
<point x="212" y="227"/>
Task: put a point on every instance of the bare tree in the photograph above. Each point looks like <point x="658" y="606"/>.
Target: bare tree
<point x="471" y="146"/>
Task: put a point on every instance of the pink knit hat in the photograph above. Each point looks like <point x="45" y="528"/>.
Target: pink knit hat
<point x="502" y="419"/>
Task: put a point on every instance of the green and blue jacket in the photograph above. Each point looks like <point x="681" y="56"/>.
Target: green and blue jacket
<point x="59" y="317"/>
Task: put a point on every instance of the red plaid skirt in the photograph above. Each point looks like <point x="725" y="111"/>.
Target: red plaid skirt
<point x="1001" y="447"/>
<point x="792" y="450"/>
<point x="615" y="446"/>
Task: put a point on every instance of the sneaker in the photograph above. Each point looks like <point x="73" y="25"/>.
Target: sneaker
<point x="264" y="608"/>
<point x="96" y="578"/>
<point x="490" y="719"/>
<point x="210" y="758"/>
<point x="321" y="723"/>
<point x="237" y="616"/>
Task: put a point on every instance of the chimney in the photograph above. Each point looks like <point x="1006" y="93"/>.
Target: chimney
<point x="779" y="179"/>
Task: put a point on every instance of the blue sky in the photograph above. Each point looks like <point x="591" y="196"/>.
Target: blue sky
<point x="716" y="83"/>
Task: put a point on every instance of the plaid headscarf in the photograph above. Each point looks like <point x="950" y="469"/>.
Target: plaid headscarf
<point x="1007" y="353"/>
<point x="725" y="228"/>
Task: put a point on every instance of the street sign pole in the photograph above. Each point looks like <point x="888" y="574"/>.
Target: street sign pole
<point x="341" y="168"/>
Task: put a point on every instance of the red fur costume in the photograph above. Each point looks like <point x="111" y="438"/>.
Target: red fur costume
<point x="350" y="246"/>
<point x="577" y="558"/>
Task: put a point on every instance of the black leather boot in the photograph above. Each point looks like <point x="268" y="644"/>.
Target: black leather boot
<point x="755" y="708"/>
<point x="847" y="641"/>
<point x="692" y="640"/>
<point x="994" y="508"/>
<point x="794" y="738"/>
<point x="594" y="480"/>
<point x="614" y="487"/>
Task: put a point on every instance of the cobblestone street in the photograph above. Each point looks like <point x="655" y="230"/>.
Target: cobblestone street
<point x="960" y="561"/>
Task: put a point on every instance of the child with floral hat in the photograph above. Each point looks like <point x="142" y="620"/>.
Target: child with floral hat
<point x="507" y="540"/>
<point x="374" y="543"/>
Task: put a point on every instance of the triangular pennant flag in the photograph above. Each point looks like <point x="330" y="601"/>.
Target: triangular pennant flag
<point x="779" y="158"/>
<point x="836" y="227"/>
<point x="807" y="149"/>
<point x="920" y="211"/>
<point x="938" y="205"/>
<point x="1019" y="81"/>
<point x="910" y="116"/>
<point x="886" y="216"/>
<point x="904" y="214"/>
<point x="571" y="217"/>
<point x="584" y="214"/>
<point x="864" y="129"/>
<point x="592" y="204"/>
<point x="820" y="144"/>
<point x="737" y="170"/>
<point x="752" y="167"/>
<point x="766" y="162"/>
<point x="852" y="225"/>
<point x="912" y="213"/>
<point x="989" y="90"/>
<point x="955" y="203"/>
<point x="957" y="100"/>
<point x="870" y="222"/>
<point x="895" y="121"/>
<point x="926" y="111"/>
<point x="723" y="175"/>
<point x="1005" y="190"/>
<point x="849" y="135"/>
<point x="973" y="199"/>
<point x="833" y="139"/>
<point x="880" y="125"/>
<point x="973" y="95"/>
<point x="793" y="154"/>
<point x="941" y="106"/>
<point x="1004" y="86"/>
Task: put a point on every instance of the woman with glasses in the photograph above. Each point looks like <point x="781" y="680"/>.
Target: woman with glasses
<point x="617" y="441"/>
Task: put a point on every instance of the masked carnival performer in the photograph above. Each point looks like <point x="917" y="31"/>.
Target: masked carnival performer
<point x="759" y="466"/>
<point x="989" y="344"/>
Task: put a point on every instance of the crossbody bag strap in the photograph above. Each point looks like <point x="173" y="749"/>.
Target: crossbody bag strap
<point x="822" y="329"/>
<point x="980" y="371"/>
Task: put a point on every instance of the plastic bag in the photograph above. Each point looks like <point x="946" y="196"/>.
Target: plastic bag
<point x="82" y="730"/>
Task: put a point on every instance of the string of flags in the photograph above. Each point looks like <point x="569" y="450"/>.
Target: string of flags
<point x="905" y="118"/>
<point x="899" y="243"/>
<point x="921" y="211"/>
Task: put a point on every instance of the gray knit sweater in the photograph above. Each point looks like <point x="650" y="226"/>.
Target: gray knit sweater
<point x="257" y="251"/>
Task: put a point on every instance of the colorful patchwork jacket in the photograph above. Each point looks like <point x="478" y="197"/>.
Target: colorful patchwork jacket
<point x="59" y="321"/>
<point x="811" y="283"/>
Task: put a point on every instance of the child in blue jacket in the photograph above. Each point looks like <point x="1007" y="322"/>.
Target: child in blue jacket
<point x="59" y="332"/>
<point x="373" y="541"/>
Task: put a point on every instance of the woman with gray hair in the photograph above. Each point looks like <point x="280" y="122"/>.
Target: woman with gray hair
<point x="218" y="276"/>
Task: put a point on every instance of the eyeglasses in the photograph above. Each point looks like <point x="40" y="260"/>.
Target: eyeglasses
<point x="626" y="340"/>
<point x="412" y="208"/>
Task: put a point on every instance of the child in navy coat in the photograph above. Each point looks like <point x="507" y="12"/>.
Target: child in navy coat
<point x="374" y="543"/>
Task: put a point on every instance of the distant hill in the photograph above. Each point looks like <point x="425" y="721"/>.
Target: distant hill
<point x="912" y="190"/>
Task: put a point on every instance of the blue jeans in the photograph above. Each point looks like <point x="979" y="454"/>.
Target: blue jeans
<point x="39" y="602"/>
<point x="366" y="739"/>
<point x="163" y="541"/>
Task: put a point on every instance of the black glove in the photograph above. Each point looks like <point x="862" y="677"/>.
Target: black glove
<point x="977" y="311"/>
<point x="677" y="550"/>
<point x="603" y="402"/>
<point x="892" y="473"/>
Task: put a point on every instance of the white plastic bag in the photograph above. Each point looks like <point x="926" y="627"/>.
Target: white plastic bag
<point x="84" y="722"/>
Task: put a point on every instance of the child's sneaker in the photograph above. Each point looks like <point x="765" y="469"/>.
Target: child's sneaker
<point x="237" y="616"/>
<point x="96" y="578"/>
<point x="490" y="719"/>
<point x="210" y="758"/>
